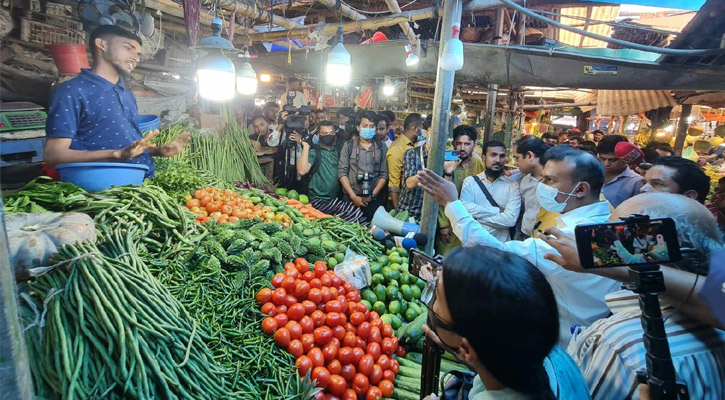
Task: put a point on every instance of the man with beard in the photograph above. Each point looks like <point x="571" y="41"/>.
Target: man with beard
<point x="468" y="164"/>
<point x="94" y="118"/>
<point x="492" y="198"/>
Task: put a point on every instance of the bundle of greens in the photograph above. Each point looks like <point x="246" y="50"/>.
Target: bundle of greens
<point x="38" y="196"/>
<point x="178" y="178"/>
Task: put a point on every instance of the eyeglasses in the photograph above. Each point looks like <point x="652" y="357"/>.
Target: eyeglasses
<point x="428" y="297"/>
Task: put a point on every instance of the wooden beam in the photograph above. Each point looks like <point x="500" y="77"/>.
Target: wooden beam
<point x="370" y="23"/>
<point x="261" y="15"/>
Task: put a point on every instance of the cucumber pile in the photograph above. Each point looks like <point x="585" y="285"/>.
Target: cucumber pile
<point x="394" y="293"/>
<point x="407" y="382"/>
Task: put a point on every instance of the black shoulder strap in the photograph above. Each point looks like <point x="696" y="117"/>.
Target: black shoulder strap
<point x="485" y="192"/>
<point x="318" y="160"/>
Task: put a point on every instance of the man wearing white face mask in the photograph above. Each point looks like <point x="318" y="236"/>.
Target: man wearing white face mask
<point x="572" y="181"/>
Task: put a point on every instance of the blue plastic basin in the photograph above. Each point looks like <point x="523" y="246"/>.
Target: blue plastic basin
<point x="98" y="176"/>
<point x="148" y="123"/>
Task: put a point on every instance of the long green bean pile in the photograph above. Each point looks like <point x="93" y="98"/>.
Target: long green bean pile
<point x="109" y="330"/>
<point x="167" y="228"/>
<point x="352" y="235"/>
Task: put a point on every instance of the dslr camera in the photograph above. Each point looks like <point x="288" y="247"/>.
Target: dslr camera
<point x="296" y="118"/>
<point x="365" y="178"/>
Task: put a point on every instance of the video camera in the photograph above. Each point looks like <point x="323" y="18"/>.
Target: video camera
<point x="296" y="119"/>
<point x="641" y="244"/>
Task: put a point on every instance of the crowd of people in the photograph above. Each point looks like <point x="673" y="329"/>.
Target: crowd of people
<point x="516" y="302"/>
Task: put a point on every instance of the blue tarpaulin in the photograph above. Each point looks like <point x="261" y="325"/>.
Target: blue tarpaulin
<point x="692" y="5"/>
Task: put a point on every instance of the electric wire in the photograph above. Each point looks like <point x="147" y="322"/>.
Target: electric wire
<point x="623" y="43"/>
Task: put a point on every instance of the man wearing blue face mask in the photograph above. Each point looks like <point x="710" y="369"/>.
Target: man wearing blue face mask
<point x="363" y="169"/>
<point x="570" y="185"/>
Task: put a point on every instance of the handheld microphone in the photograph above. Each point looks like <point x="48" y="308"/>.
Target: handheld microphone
<point x="378" y="234"/>
<point x="629" y="153"/>
<point x="409" y="243"/>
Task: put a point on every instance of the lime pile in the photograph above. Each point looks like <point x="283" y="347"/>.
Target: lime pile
<point x="394" y="293"/>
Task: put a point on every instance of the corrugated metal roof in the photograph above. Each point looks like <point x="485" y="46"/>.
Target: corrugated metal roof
<point x="601" y="13"/>
<point x="627" y="102"/>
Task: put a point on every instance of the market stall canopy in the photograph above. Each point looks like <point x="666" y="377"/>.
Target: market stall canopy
<point x="692" y="5"/>
<point x="626" y="102"/>
<point x="511" y="65"/>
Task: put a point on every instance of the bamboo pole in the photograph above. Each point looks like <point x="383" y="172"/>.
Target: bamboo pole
<point x="346" y="11"/>
<point x="439" y="126"/>
<point x="405" y="26"/>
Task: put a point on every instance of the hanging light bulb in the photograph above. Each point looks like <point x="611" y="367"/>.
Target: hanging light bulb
<point x="412" y="60"/>
<point x="452" y="56"/>
<point x="458" y="99"/>
<point x="338" y="63"/>
<point x="246" y="79"/>
<point x="214" y="72"/>
<point x="388" y="88"/>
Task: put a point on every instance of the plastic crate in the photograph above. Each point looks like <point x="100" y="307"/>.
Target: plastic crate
<point x="47" y="33"/>
<point x="52" y="9"/>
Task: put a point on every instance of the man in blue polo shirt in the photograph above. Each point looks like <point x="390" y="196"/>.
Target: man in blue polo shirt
<point x="94" y="117"/>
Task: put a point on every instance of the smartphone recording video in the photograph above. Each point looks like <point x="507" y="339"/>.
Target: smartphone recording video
<point x="424" y="267"/>
<point x="617" y="244"/>
<point x="452" y="155"/>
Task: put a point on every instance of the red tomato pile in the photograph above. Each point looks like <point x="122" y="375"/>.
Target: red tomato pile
<point x="228" y="206"/>
<point x="318" y="318"/>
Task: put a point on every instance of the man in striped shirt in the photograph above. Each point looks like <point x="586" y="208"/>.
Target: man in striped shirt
<point x="611" y="350"/>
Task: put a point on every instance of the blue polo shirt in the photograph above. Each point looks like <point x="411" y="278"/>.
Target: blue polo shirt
<point x="96" y="115"/>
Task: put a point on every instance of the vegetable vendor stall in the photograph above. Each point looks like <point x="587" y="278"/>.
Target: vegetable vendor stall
<point x="178" y="293"/>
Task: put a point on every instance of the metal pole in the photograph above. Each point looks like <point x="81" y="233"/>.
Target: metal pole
<point x="15" y="379"/>
<point x="682" y="128"/>
<point x="441" y="115"/>
<point x="493" y="87"/>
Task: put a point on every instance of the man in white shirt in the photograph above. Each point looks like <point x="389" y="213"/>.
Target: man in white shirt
<point x="528" y="152"/>
<point x="572" y="181"/>
<point x="611" y="350"/>
<point x="492" y="198"/>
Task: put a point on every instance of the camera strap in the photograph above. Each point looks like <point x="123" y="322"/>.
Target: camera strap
<point x="376" y="144"/>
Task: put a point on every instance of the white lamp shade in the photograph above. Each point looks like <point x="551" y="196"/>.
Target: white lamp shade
<point x="338" y="66"/>
<point x="452" y="57"/>
<point x="215" y="75"/>
<point x="388" y="90"/>
<point x="412" y="60"/>
<point x="246" y="80"/>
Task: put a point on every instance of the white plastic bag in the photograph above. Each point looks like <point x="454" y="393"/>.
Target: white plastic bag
<point x="355" y="269"/>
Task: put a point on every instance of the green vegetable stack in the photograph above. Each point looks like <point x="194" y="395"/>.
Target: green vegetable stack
<point x="100" y="326"/>
<point x="394" y="293"/>
<point x="407" y="383"/>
